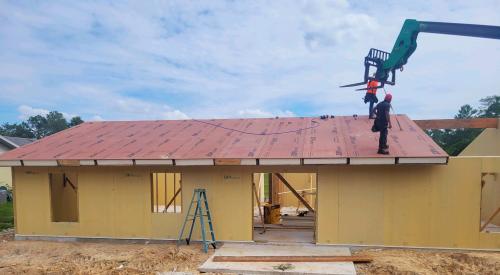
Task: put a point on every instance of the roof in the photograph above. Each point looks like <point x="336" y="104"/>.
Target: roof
<point x="15" y="142"/>
<point x="304" y="140"/>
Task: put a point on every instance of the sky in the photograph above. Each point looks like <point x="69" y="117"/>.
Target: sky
<point x="139" y="60"/>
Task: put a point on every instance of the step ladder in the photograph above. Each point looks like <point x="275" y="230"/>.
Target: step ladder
<point x="200" y="197"/>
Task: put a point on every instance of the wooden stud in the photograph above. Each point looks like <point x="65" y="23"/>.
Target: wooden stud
<point x="293" y="259"/>
<point x="157" y="203"/>
<point x="490" y="219"/>
<point x="175" y="188"/>
<point x="165" y="195"/>
<point x="301" y="199"/>
<point x="258" y="203"/>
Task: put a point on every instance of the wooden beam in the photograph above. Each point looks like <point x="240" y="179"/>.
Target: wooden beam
<point x="227" y="161"/>
<point x="470" y="123"/>
<point x="293" y="259"/>
<point x="173" y="198"/>
<point x="68" y="162"/>
<point x="301" y="199"/>
<point x="490" y="219"/>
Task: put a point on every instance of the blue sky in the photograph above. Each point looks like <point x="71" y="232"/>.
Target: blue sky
<point x="133" y="60"/>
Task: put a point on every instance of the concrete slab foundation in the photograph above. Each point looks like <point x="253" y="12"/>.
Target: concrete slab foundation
<point x="284" y="235"/>
<point x="278" y="250"/>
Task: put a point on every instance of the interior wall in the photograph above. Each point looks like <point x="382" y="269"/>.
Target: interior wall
<point x="486" y="144"/>
<point x="299" y="181"/>
<point x="63" y="198"/>
<point x="426" y="205"/>
<point x="116" y="202"/>
<point x="490" y="198"/>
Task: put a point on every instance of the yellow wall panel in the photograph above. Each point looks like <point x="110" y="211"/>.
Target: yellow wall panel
<point x="96" y="188"/>
<point x="360" y="207"/>
<point x="116" y="202"/>
<point x="486" y="144"/>
<point x="327" y="214"/>
<point x="412" y="205"/>
<point x="423" y="205"/>
<point x="32" y="202"/>
<point x="5" y="176"/>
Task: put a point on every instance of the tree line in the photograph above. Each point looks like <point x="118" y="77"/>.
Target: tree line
<point x="39" y="126"/>
<point x="453" y="141"/>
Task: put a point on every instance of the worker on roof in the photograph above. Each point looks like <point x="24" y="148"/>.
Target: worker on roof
<point x="371" y="96"/>
<point x="382" y="123"/>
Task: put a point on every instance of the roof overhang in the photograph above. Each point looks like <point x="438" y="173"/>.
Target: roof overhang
<point x="230" y="162"/>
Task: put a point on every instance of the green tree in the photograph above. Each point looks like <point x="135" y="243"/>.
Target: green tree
<point x="453" y="141"/>
<point x="490" y="106"/>
<point x="17" y="130"/>
<point x="75" y="121"/>
<point x="39" y="126"/>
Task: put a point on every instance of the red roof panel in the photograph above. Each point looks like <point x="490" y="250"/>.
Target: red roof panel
<point x="339" y="137"/>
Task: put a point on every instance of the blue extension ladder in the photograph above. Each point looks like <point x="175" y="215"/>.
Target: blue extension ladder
<point x="201" y="200"/>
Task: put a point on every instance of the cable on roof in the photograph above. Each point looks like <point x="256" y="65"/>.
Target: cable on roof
<point x="394" y="111"/>
<point x="316" y="124"/>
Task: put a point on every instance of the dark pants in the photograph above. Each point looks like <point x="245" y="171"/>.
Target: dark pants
<point x="370" y="109"/>
<point x="382" y="141"/>
<point x="372" y="99"/>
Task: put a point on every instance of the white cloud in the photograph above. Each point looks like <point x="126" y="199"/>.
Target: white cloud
<point x="179" y="59"/>
<point x="252" y="113"/>
<point x="175" y="114"/>
<point x="96" y="118"/>
<point x="330" y="23"/>
<point x="26" y="111"/>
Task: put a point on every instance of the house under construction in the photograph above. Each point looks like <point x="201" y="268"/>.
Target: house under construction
<point x="134" y="180"/>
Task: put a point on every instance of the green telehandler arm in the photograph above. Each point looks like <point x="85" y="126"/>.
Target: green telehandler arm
<point x="386" y="63"/>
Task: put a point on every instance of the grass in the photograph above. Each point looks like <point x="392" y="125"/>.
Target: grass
<point x="6" y="216"/>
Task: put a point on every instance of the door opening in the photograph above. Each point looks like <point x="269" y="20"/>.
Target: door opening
<point x="284" y="207"/>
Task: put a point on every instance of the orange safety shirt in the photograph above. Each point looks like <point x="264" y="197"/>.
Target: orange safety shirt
<point x="372" y="84"/>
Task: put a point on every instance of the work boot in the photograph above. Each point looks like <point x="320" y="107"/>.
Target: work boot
<point x="383" y="152"/>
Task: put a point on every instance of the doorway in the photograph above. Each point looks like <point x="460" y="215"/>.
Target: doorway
<point x="284" y="207"/>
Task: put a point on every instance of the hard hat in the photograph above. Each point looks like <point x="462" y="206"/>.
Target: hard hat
<point x="388" y="97"/>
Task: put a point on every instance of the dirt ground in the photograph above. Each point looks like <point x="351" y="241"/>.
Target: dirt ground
<point x="407" y="261"/>
<point x="42" y="257"/>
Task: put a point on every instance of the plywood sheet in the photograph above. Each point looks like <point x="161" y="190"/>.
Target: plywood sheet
<point x="264" y="138"/>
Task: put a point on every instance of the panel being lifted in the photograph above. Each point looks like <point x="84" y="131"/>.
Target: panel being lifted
<point x="264" y="141"/>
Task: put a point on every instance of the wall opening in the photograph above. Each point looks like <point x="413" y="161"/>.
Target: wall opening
<point x="287" y="211"/>
<point x="64" y="197"/>
<point x="166" y="189"/>
<point x="490" y="203"/>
